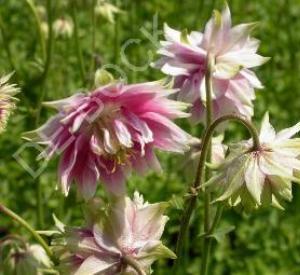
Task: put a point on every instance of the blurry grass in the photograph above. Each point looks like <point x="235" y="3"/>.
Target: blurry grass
<point x="266" y="242"/>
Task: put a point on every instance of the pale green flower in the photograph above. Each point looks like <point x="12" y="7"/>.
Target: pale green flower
<point x="29" y="260"/>
<point x="63" y="28"/>
<point x="127" y="228"/>
<point x="107" y="10"/>
<point x="7" y="100"/>
<point x="262" y="177"/>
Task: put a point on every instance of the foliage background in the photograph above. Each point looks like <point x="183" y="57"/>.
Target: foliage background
<point x="264" y="242"/>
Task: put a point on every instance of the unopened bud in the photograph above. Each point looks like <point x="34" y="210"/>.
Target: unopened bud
<point x="63" y="28"/>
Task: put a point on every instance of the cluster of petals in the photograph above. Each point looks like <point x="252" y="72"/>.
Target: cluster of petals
<point x="7" y="100"/>
<point x="127" y="229"/>
<point x="263" y="176"/>
<point x="185" y="56"/>
<point x="23" y="258"/>
<point x="105" y="134"/>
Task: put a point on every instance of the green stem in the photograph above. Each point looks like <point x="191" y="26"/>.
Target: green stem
<point x="207" y="174"/>
<point x="93" y="17"/>
<point x="116" y="38"/>
<point x="7" y="46"/>
<point x="77" y="44"/>
<point x="134" y="264"/>
<point x="48" y="59"/>
<point x="23" y="223"/>
<point x="190" y="203"/>
<point x="39" y="194"/>
<point x="38" y="26"/>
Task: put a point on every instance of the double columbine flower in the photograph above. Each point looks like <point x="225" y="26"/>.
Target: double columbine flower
<point x="233" y="51"/>
<point x="24" y="259"/>
<point x="127" y="229"/>
<point x="104" y="134"/>
<point x="262" y="176"/>
<point x="7" y="100"/>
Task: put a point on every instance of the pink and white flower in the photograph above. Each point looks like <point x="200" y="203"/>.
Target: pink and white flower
<point x="264" y="176"/>
<point x="110" y="131"/>
<point x="184" y="56"/>
<point x="128" y="228"/>
<point x="7" y="100"/>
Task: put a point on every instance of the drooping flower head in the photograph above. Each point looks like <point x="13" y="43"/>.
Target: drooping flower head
<point x="63" y="28"/>
<point x="110" y="131"/>
<point x="184" y="56"/>
<point x="264" y="176"/>
<point x="21" y="258"/>
<point x="7" y="100"/>
<point x="107" y="10"/>
<point x="128" y="228"/>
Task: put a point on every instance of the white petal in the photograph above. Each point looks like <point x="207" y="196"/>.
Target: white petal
<point x="287" y="133"/>
<point x="226" y="70"/>
<point x="254" y="179"/>
<point x="109" y="145"/>
<point x="95" y="266"/>
<point x="267" y="132"/>
<point x="171" y="34"/>
<point x="243" y="59"/>
<point x="174" y="70"/>
<point x="252" y="78"/>
<point x="123" y="134"/>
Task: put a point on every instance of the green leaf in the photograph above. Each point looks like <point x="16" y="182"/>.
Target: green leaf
<point x="221" y="233"/>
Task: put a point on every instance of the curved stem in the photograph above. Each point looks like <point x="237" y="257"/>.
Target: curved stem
<point x="23" y="223"/>
<point x="77" y="44"/>
<point x="134" y="264"/>
<point x="32" y="7"/>
<point x="191" y="201"/>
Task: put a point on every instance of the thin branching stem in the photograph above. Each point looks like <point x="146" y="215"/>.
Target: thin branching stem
<point x="77" y="42"/>
<point x="37" y="20"/>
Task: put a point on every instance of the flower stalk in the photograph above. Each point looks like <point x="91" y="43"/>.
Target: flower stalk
<point x="33" y="9"/>
<point x="192" y="199"/>
<point x="207" y="195"/>
<point x="40" y="210"/>
<point x="77" y="43"/>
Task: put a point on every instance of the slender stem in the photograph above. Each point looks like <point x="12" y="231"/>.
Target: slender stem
<point x="93" y="17"/>
<point x="217" y="218"/>
<point x="39" y="194"/>
<point x="23" y="223"/>
<point x="77" y="43"/>
<point x="134" y="264"/>
<point x="116" y="38"/>
<point x="48" y="59"/>
<point x="38" y="26"/>
<point x="191" y="201"/>
<point x="207" y="174"/>
<point x="6" y="46"/>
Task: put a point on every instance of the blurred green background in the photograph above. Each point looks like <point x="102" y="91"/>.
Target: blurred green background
<point x="264" y="242"/>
